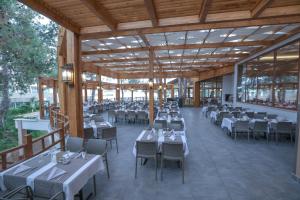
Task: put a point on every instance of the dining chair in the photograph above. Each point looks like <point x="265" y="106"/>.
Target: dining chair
<point x="98" y="147"/>
<point x="176" y="125"/>
<point x="142" y="116"/>
<point x="250" y="114"/>
<point x="174" y="152"/>
<point x="259" y="115"/>
<point x="236" y="114"/>
<point x="241" y="126"/>
<point x="260" y="127"/>
<point x="109" y="134"/>
<point x="160" y="124"/>
<point x="146" y="150"/>
<point x="131" y="116"/>
<point x="74" y="144"/>
<point x="220" y="117"/>
<point x="88" y="133"/>
<point x="111" y="115"/>
<point x="23" y="190"/>
<point x="121" y="116"/>
<point x="272" y="116"/>
<point x="284" y="128"/>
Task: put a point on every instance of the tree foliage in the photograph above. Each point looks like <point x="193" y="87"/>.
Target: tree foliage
<point x="27" y="50"/>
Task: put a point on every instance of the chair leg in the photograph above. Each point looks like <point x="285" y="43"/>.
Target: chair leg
<point x="107" y="169"/>
<point x="248" y="136"/>
<point x="156" y="168"/>
<point x="161" y="168"/>
<point x="136" y="160"/>
<point x="117" y="145"/>
<point x="95" y="186"/>
<point x="110" y="144"/>
<point x="276" y="136"/>
<point x="291" y="136"/>
<point x="182" y="168"/>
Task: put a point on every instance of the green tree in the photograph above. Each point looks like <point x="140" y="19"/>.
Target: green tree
<point x="27" y="50"/>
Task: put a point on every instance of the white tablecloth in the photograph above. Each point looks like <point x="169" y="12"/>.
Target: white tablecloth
<point x="213" y="115"/>
<point x="204" y="110"/>
<point x="228" y="123"/>
<point x="161" y="139"/>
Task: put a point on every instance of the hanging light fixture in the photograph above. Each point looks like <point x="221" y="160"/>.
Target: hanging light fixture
<point x="68" y="74"/>
<point x="150" y="83"/>
<point x="83" y="77"/>
<point x="160" y="87"/>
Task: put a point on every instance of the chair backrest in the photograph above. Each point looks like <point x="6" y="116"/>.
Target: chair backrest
<point x="96" y="146"/>
<point x="176" y="125"/>
<point x="259" y="116"/>
<point x="236" y="114"/>
<point x="109" y="133"/>
<point x="174" y="114"/>
<point x="111" y="113"/>
<point x="141" y="115"/>
<point x="160" y="124"/>
<point x="131" y="113"/>
<point x="272" y="116"/>
<point x="250" y="114"/>
<point x="284" y="127"/>
<point x="241" y="125"/>
<point x="172" y="150"/>
<point x="260" y="126"/>
<point x="74" y="144"/>
<point x="146" y="148"/>
<point x="98" y="118"/>
<point x="163" y="114"/>
<point x="221" y="115"/>
<point x="88" y="133"/>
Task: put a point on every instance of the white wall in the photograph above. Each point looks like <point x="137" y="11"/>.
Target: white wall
<point x="227" y="86"/>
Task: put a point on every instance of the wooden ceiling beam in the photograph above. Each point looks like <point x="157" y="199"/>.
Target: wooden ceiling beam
<point x="231" y="55"/>
<point x="260" y="7"/>
<point x="101" y="13"/>
<point x="97" y="32"/>
<point x="204" y="10"/>
<point x="167" y="64"/>
<point x="189" y="46"/>
<point x="151" y="12"/>
<point x="208" y="74"/>
<point x="52" y="13"/>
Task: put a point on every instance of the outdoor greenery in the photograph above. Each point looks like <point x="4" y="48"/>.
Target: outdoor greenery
<point x="9" y="134"/>
<point x="27" y="51"/>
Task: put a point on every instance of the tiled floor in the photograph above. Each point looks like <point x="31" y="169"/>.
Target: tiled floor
<point x="217" y="168"/>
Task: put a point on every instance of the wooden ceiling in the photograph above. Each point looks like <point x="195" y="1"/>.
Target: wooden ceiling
<point x="187" y="36"/>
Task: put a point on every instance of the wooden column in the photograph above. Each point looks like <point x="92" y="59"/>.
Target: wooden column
<point x="100" y="91"/>
<point x="297" y="135"/>
<point x="41" y="99"/>
<point x="151" y="89"/>
<point x="146" y="95"/>
<point x="197" y="94"/>
<point x="55" y="92"/>
<point x="160" y="89"/>
<point x="118" y="92"/>
<point x="85" y="93"/>
<point x="74" y="93"/>
<point x="172" y="91"/>
<point x="165" y="90"/>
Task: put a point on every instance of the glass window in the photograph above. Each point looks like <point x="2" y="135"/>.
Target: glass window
<point x="271" y="79"/>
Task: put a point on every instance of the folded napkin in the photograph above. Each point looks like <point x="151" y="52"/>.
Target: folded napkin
<point x="21" y="168"/>
<point x="149" y="137"/>
<point x="55" y="172"/>
<point x="172" y="137"/>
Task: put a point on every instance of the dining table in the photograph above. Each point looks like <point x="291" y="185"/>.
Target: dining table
<point x="48" y="177"/>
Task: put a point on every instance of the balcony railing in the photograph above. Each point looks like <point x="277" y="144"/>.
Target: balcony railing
<point x="60" y="127"/>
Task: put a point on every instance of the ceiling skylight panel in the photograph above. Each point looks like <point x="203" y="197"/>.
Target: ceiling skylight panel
<point x="206" y="51"/>
<point x="217" y="35"/>
<point x="157" y="39"/>
<point x="175" y="38"/>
